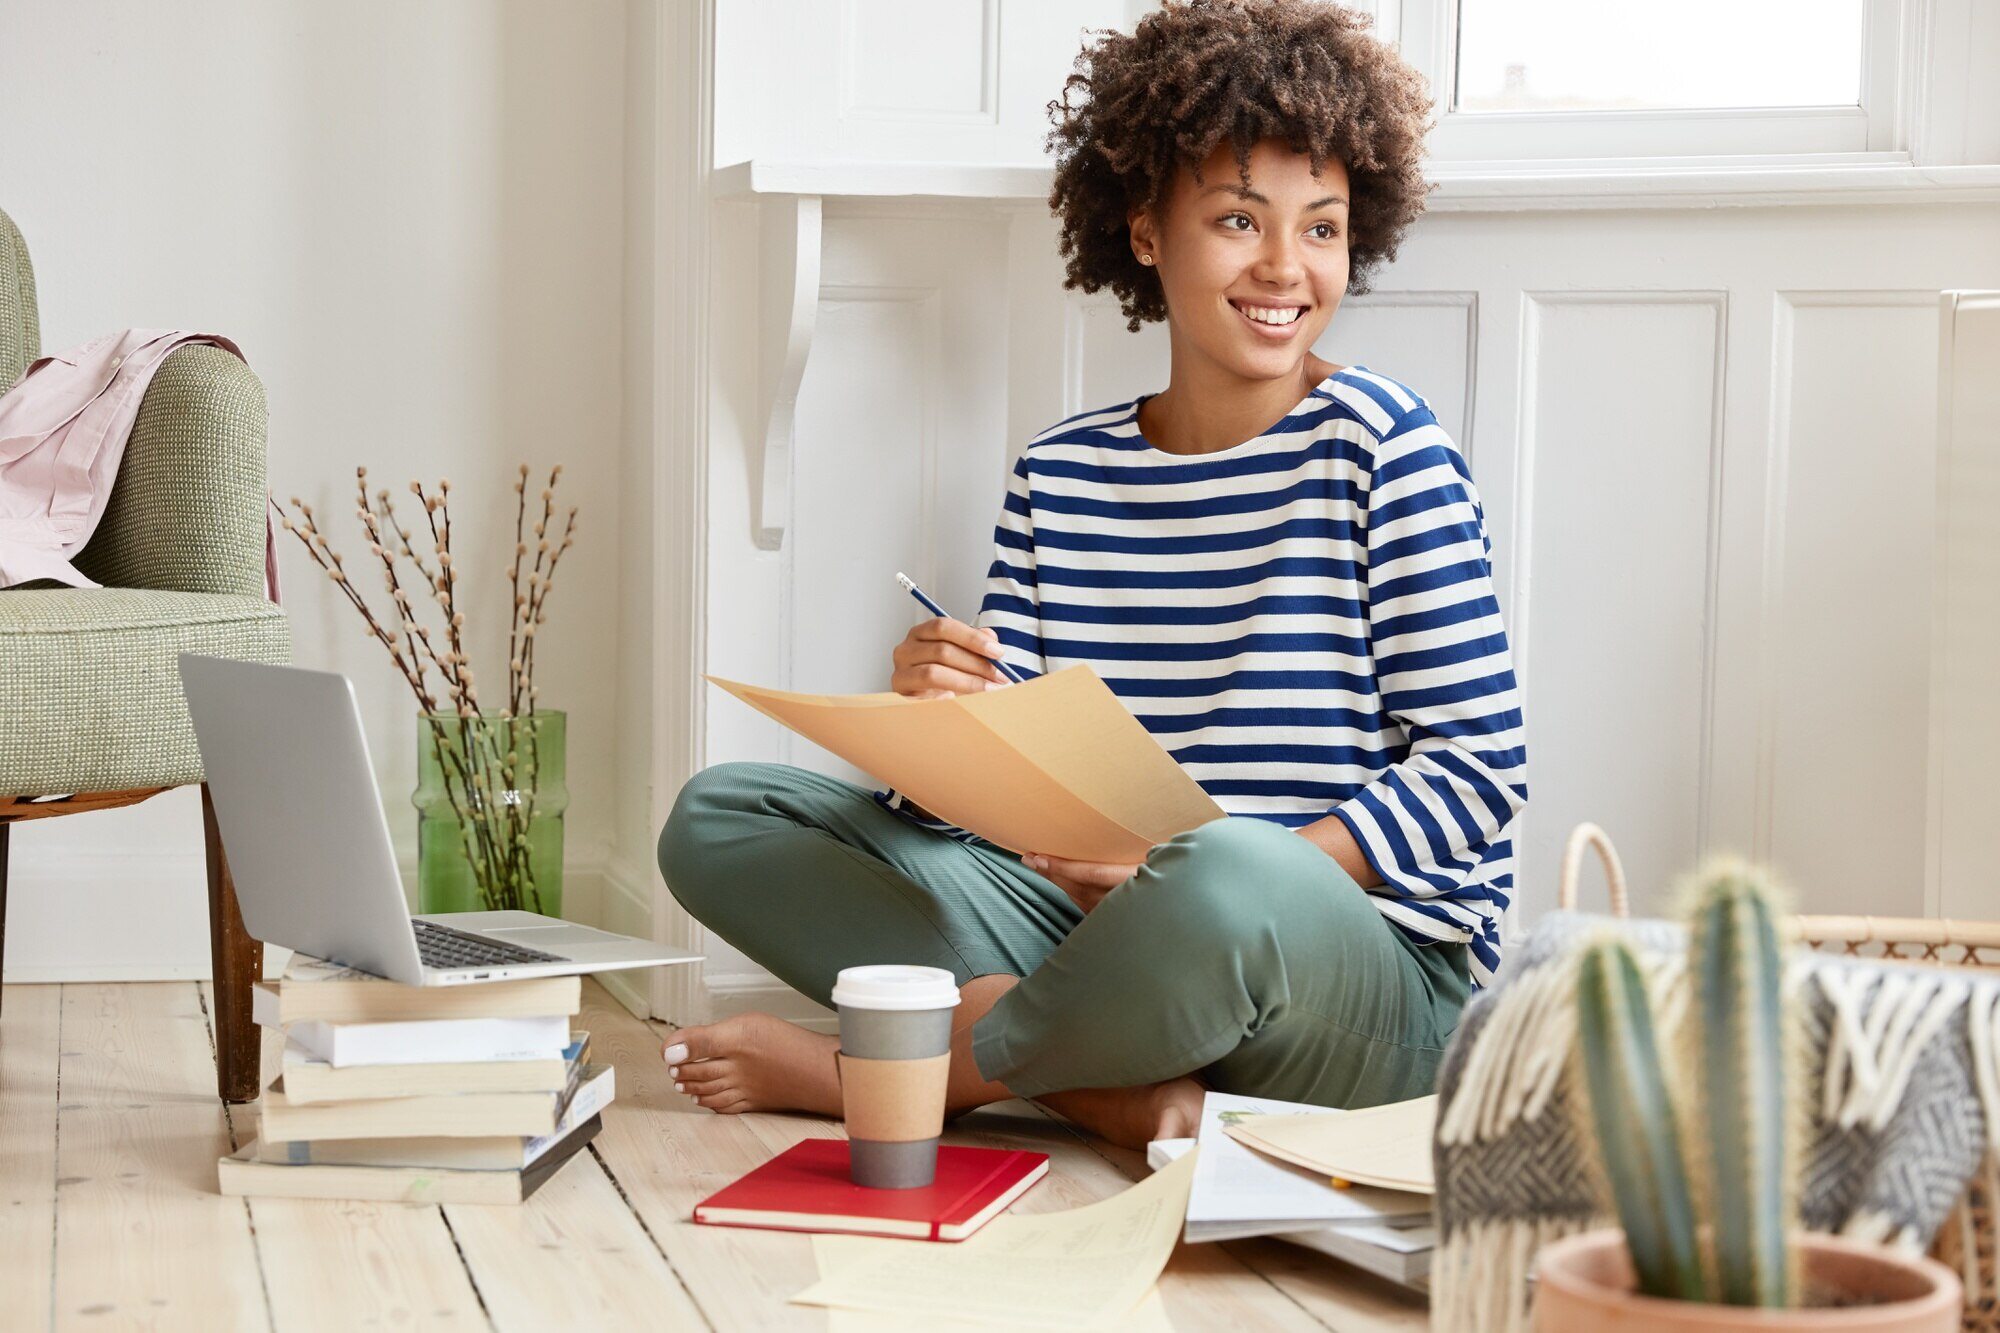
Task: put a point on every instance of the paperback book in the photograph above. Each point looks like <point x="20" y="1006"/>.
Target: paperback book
<point x="501" y="1152"/>
<point x="247" y="1172"/>
<point x="309" y="1080"/>
<point x="313" y="989"/>
<point x="490" y="1114"/>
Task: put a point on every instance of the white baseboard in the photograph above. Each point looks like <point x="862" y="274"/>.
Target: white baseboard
<point x="622" y="907"/>
<point x="744" y="993"/>
<point x="107" y="916"/>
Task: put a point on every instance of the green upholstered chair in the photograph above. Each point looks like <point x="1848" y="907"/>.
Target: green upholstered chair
<point x="91" y="712"/>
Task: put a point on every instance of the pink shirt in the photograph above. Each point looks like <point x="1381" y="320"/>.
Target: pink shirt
<point x="63" y="430"/>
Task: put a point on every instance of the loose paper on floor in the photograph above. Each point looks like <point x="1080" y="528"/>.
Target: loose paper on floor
<point x="1089" y="1267"/>
<point x="1056" y="764"/>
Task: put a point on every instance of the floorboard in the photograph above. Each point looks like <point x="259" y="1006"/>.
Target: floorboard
<point x="30" y="1028"/>
<point x="143" y="1240"/>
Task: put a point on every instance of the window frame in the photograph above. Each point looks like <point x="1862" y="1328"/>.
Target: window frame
<point x="1878" y="131"/>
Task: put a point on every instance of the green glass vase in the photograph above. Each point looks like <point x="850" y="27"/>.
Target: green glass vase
<point x="490" y="797"/>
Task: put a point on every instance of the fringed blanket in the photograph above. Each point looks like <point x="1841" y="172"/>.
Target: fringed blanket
<point x="1902" y="1085"/>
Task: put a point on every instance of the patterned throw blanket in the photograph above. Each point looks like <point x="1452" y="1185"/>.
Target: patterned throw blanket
<point x="1902" y="1070"/>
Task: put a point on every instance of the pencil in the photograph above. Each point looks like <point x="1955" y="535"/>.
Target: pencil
<point x="910" y="585"/>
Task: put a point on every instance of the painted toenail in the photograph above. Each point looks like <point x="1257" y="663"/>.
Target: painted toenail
<point x="677" y="1052"/>
<point x="679" y="1088"/>
<point x="674" y="1071"/>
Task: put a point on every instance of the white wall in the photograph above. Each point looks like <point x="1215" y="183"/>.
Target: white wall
<point x="412" y="218"/>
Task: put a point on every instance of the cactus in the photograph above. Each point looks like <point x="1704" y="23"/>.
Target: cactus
<point x="1635" y="1121"/>
<point x="1735" y="969"/>
<point x="1737" y="1054"/>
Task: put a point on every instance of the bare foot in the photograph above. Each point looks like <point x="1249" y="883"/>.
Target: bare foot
<point x="1176" y="1108"/>
<point x="1133" y="1117"/>
<point x="755" y="1062"/>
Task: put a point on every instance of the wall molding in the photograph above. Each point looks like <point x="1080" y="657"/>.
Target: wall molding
<point x="741" y="993"/>
<point x="1777" y="489"/>
<point x="848" y="97"/>
<point x="1494" y="187"/>
<point x="1529" y="415"/>
<point x="682" y="315"/>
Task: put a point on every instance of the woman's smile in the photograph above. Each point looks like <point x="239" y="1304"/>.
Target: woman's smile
<point x="1274" y="323"/>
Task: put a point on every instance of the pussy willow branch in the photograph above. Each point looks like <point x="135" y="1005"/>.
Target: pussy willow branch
<point x="495" y="832"/>
<point x="328" y="559"/>
<point x="445" y="660"/>
<point x="517" y="602"/>
<point x="401" y="599"/>
<point x="446" y="588"/>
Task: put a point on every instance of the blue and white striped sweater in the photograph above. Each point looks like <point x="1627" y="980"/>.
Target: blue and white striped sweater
<point x="1305" y="621"/>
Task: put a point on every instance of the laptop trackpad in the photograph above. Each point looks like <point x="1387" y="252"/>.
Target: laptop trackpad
<point x="551" y="939"/>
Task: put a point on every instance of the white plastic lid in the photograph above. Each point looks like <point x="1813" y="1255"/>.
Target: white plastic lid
<point x="895" y="986"/>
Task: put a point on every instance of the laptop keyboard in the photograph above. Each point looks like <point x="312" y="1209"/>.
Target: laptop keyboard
<point x="443" y="947"/>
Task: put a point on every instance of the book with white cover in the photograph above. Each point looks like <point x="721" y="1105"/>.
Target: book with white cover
<point x="1238" y="1192"/>
<point x="423" y="1041"/>
<point x="1398" y="1253"/>
<point x="502" y="1152"/>
<point x="309" y="1080"/>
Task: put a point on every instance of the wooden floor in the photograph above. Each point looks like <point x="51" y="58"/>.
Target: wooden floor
<point x="109" y="1216"/>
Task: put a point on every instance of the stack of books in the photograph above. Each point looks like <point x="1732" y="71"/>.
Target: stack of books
<point x="1251" y="1179"/>
<point x="419" y="1094"/>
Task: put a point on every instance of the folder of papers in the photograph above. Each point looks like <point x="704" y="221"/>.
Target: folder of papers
<point x="1385" y="1146"/>
<point x="1238" y="1192"/>
<point x="1055" y="765"/>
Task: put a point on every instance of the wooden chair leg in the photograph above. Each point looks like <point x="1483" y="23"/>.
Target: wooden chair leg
<point x="238" y="961"/>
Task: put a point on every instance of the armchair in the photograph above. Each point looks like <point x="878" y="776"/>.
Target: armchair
<point x="92" y="715"/>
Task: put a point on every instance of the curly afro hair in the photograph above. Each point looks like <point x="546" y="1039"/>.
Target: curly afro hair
<point x="1307" y="72"/>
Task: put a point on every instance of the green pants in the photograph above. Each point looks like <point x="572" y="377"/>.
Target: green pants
<point x="1240" y="951"/>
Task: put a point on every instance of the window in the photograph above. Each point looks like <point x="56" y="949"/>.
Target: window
<point x="1625" y="82"/>
<point x="1587" y="55"/>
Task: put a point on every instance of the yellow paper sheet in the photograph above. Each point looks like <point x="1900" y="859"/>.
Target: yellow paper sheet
<point x="1085" y="1268"/>
<point x="1056" y="764"/>
<point x="1385" y="1146"/>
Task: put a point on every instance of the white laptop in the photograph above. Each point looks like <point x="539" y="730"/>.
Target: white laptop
<point x="309" y="851"/>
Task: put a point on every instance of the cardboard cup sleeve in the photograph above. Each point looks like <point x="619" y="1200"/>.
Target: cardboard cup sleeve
<point x="893" y="1101"/>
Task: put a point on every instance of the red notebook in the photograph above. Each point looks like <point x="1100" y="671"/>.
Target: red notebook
<point x="806" y="1188"/>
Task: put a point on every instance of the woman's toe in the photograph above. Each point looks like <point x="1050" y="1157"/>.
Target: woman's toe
<point x="693" y="1043"/>
<point x="705" y="1072"/>
<point x="724" y="1100"/>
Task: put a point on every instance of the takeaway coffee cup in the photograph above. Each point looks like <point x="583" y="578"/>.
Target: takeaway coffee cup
<point x="895" y="1050"/>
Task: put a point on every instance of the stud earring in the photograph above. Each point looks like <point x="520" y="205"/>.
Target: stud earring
<point x="1145" y="259"/>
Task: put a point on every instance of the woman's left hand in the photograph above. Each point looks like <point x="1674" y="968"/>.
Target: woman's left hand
<point x="1086" y="882"/>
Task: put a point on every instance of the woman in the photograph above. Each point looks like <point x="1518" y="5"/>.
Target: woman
<point x="1278" y="564"/>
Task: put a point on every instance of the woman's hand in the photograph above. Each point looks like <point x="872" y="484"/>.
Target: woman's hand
<point x="1086" y="882"/>
<point x="943" y="656"/>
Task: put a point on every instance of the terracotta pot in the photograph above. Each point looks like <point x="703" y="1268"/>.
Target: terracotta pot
<point x="1584" y="1285"/>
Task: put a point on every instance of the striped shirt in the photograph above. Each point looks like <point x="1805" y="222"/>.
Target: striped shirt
<point x="1304" y="621"/>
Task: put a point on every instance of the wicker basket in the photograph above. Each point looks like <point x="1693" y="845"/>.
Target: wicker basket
<point x="1965" y="1243"/>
